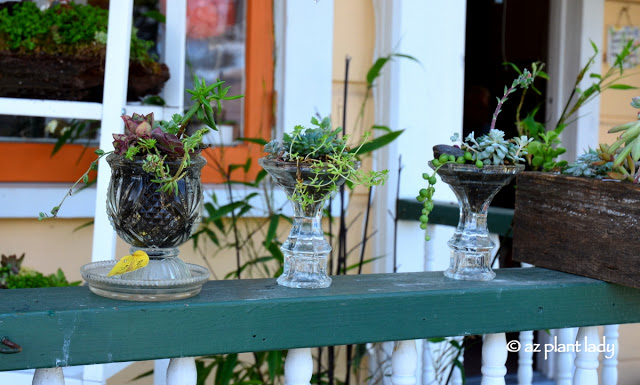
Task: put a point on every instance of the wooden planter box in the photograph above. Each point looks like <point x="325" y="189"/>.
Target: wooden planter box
<point x="578" y="225"/>
<point x="60" y="77"/>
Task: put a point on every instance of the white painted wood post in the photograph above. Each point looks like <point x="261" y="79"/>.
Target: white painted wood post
<point x="610" y="358"/>
<point x="525" y="358"/>
<point x="404" y="362"/>
<point x="587" y="357"/>
<point x="48" y="376"/>
<point x="182" y="371"/>
<point x="298" y="367"/>
<point x="428" y="372"/>
<point x="494" y="357"/>
<point x="564" y="360"/>
<point x="114" y="100"/>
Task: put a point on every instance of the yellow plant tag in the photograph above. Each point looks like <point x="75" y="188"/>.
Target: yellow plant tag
<point x="128" y="263"/>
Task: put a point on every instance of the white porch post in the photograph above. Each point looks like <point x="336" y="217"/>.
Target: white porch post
<point x="573" y="25"/>
<point x="182" y="371"/>
<point x="304" y="51"/>
<point x="421" y="29"/>
<point x="113" y="102"/>
<point x="494" y="357"/>
<point x="610" y="360"/>
<point x="298" y="367"/>
<point x="404" y="362"/>
<point x="586" y="358"/>
<point x="525" y="359"/>
<point x="564" y="360"/>
<point x="48" y="376"/>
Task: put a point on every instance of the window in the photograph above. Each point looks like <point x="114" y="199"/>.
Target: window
<point x="30" y="161"/>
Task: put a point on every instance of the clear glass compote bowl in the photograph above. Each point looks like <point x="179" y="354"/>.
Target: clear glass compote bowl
<point x="471" y="244"/>
<point x="155" y="222"/>
<point x="305" y="250"/>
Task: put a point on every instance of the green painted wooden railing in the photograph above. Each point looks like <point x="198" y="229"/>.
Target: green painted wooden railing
<point x="498" y="220"/>
<point x="72" y="326"/>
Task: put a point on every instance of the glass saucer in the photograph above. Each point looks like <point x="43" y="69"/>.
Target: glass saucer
<point x="116" y="287"/>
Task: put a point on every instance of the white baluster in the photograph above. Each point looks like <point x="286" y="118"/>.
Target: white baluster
<point x="610" y="356"/>
<point x="428" y="373"/>
<point x="564" y="359"/>
<point x="404" y="362"/>
<point x="587" y="356"/>
<point x="48" y="376"/>
<point x="298" y="367"/>
<point x="182" y="371"/>
<point x="525" y="358"/>
<point x="494" y="357"/>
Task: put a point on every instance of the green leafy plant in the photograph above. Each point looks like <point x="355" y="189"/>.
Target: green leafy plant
<point x="326" y="153"/>
<point x="489" y="149"/>
<point x="15" y="276"/>
<point x="545" y="149"/>
<point x="61" y="29"/>
<point x="158" y="141"/>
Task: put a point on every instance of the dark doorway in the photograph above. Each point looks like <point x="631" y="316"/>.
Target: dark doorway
<point x="500" y="31"/>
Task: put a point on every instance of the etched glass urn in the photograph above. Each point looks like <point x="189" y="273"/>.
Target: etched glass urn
<point x="305" y="251"/>
<point x="471" y="244"/>
<point x="156" y="222"/>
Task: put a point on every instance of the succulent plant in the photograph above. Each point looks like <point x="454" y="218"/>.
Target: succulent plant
<point x="491" y="148"/>
<point x="302" y="144"/>
<point x="630" y="138"/>
<point x="588" y="165"/>
<point x="135" y="127"/>
<point x="158" y="141"/>
<point x="12" y="262"/>
<point x="325" y="152"/>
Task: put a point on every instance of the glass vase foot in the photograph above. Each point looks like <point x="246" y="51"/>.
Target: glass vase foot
<point x="302" y="272"/>
<point x="468" y="266"/>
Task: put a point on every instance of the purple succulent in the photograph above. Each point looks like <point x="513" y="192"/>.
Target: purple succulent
<point x="136" y="127"/>
<point x="139" y="125"/>
<point x="168" y="144"/>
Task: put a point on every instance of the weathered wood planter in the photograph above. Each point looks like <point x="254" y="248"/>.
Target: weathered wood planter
<point x="78" y="78"/>
<point x="578" y="225"/>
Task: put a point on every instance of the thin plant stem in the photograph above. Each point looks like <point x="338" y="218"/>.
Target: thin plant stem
<point x="366" y="228"/>
<point x="347" y="379"/>
<point x="342" y="232"/>
<point x="395" y="218"/>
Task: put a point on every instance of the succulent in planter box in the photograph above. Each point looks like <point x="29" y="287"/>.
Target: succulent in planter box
<point x="583" y="219"/>
<point x="310" y="164"/>
<point x="154" y="202"/>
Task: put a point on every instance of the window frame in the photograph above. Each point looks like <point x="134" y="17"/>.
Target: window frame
<point x="31" y="162"/>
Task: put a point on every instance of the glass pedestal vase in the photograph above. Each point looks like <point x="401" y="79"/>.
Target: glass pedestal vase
<point x="157" y="223"/>
<point x="471" y="244"/>
<point x="305" y="251"/>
